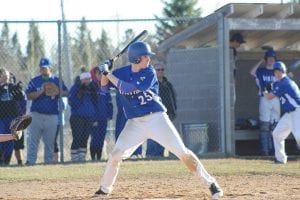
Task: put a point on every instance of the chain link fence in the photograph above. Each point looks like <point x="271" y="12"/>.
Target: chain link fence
<point x="74" y="50"/>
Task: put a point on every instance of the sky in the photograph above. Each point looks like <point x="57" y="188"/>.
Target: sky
<point x="95" y="9"/>
<point x="15" y="10"/>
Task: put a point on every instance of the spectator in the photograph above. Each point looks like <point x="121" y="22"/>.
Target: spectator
<point x="104" y="112"/>
<point x="44" y="112"/>
<point x="168" y="97"/>
<point x="269" y="109"/>
<point x="83" y="99"/>
<point x="120" y="123"/>
<point x="235" y="42"/>
<point x="19" y="144"/>
<point x="10" y="95"/>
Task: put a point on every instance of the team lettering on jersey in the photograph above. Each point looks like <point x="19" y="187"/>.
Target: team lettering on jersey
<point x="130" y="93"/>
<point x="269" y="78"/>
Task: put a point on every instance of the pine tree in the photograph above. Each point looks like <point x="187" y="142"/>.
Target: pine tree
<point x="35" y="48"/>
<point x="16" y="50"/>
<point x="173" y="9"/>
<point x="103" y="47"/>
<point x="5" y="41"/>
<point x="83" y="51"/>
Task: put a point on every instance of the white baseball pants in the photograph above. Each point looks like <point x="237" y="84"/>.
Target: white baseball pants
<point x="289" y="122"/>
<point x="269" y="110"/>
<point x="156" y="126"/>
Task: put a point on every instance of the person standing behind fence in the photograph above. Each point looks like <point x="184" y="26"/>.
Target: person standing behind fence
<point x="269" y="109"/>
<point x="44" y="112"/>
<point x="104" y="113"/>
<point x="10" y="95"/>
<point x="235" y="42"/>
<point x="168" y="97"/>
<point x="83" y="100"/>
<point x="19" y="144"/>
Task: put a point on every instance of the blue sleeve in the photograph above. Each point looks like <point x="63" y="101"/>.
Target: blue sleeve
<point x="73" y="100"/>
<point x="278" y="89"/>
<point x="64" y="87"/>
<point x="31" y="87"/>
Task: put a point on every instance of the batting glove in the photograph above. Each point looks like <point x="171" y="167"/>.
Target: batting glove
<point x="106" y="66"/>
<point x="103" y="68"/>
<point x="110" y="63"/>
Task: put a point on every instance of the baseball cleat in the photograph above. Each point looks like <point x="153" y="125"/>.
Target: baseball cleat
<point x="100" y="193"/>
<point x="215" y="190"/>
<point x="279" y="162"/>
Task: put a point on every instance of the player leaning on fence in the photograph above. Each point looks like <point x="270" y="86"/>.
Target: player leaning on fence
<point x="147" y="118"/>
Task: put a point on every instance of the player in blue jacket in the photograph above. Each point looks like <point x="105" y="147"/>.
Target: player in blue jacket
<point x="289" y="94"/>
<point x="269" y="109"/>
<point x="147" y="119"/>
<point x="104" y="112"/>
<point x="83" y="100"/>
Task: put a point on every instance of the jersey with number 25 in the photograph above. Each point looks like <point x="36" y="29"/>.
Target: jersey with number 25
<point x="144" y="100"/>
<point x="288" y="93"/>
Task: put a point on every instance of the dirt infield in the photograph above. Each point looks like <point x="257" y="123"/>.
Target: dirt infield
<point x="182" y="186"/>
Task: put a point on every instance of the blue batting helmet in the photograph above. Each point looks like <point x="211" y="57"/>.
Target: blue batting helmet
<point x="45" y="62"/>
<point x="279" y="66"/>
<point x="270" y="53"/>
<point x="138" y="49"/>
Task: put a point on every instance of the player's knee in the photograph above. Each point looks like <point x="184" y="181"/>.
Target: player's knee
<point x="116" y="157"/>
<point x="190" y="160"/>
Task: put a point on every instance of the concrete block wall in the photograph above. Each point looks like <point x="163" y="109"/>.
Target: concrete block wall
<point x="194" y="74"/>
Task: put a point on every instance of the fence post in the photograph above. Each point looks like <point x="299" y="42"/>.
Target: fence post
<point x="60" y="102"/>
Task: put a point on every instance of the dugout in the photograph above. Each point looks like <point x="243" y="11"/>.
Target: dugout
<point x="198" y="64"/>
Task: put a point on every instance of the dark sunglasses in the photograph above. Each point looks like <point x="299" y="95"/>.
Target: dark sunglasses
<point x="160" y="70"/>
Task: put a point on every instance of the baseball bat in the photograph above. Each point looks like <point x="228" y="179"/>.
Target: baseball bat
<point x="295" y="65"/>
<point x="140" y="36"/>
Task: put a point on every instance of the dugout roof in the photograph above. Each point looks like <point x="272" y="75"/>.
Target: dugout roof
<point x="277" y="25"/>
<point x="261" y="24"/>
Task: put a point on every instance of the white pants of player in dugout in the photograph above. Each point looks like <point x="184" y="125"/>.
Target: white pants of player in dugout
<point x="156" y="126"/>
<point x="269" y="110"/>
<point x="288" y="123"/>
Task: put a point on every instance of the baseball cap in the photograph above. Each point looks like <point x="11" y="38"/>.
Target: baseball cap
<point x="85" y="75"/>
<point x="238" y="37"/>
<point x="45" y="62"/>
<point x="270" y="53"/>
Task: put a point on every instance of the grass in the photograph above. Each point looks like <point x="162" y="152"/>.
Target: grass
<point x="147" y="168"/>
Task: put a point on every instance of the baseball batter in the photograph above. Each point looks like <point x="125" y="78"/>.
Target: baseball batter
<point x="288" y="92"/>
<point x="147" y="118"/>
<point x="269" y="109"/>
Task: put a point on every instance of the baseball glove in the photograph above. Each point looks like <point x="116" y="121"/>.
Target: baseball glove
<point x="19" y="124"/>
<point x="51" y="89"/>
